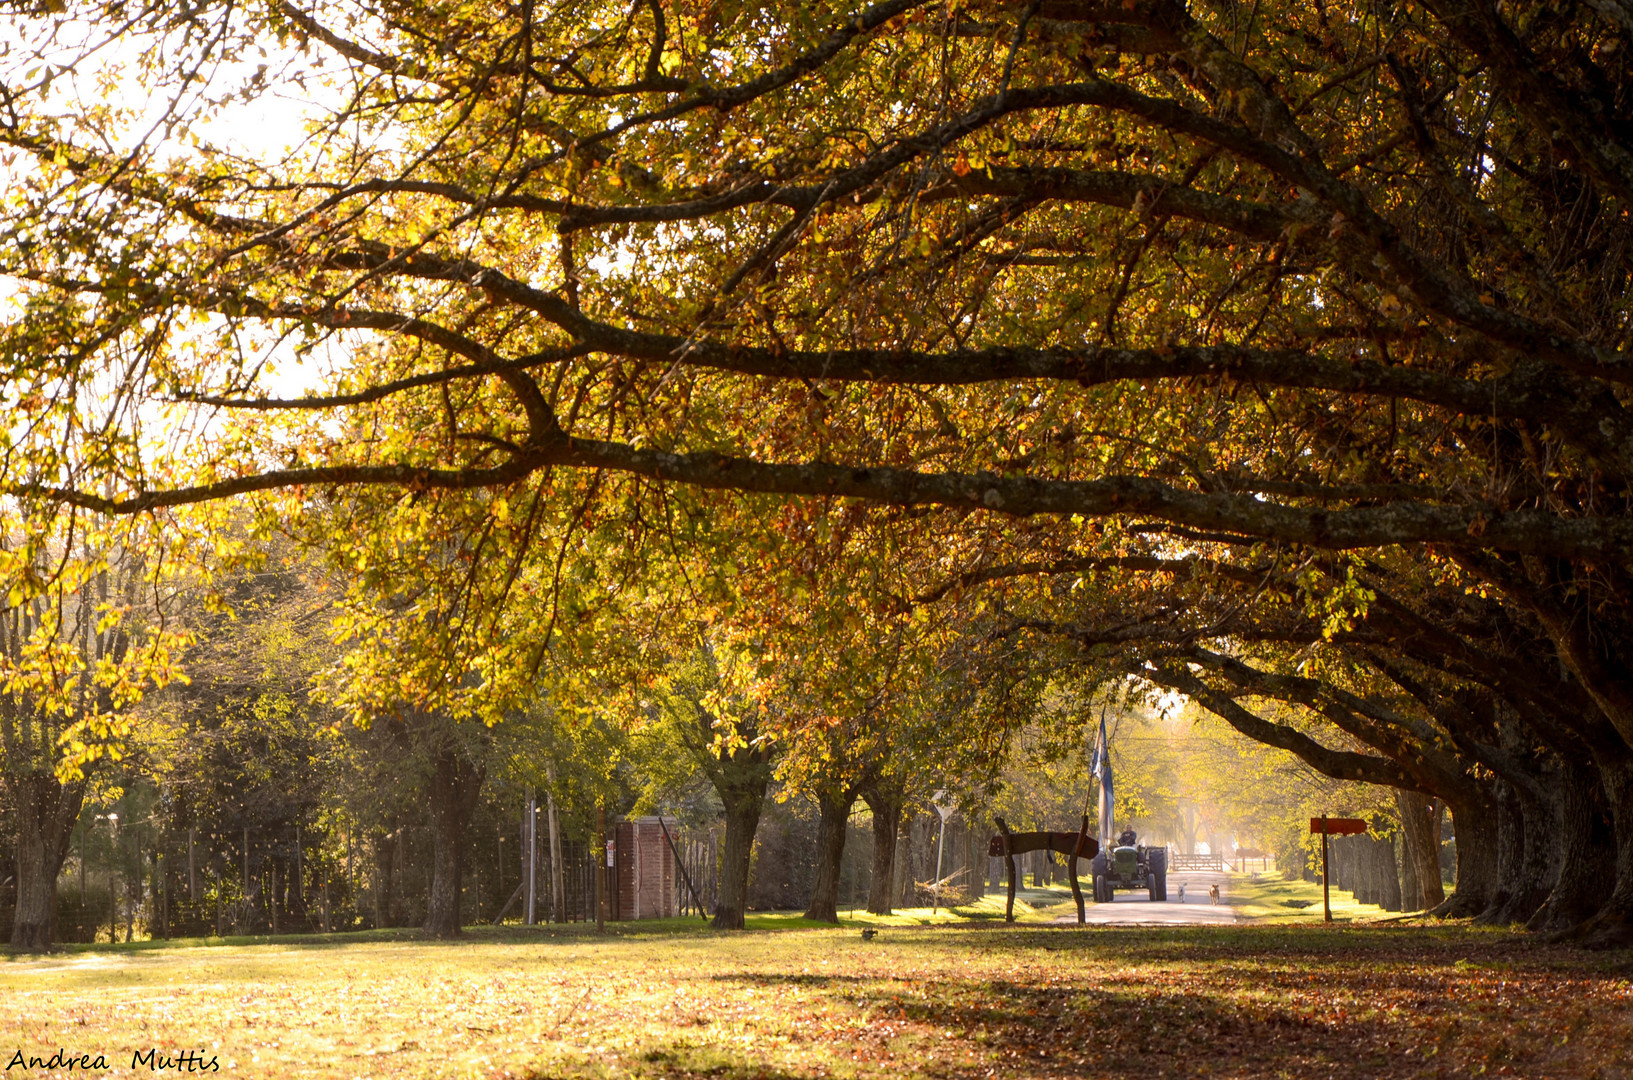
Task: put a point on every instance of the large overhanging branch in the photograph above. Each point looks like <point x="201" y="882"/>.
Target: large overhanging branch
<point x="1180" y="568"/>
<point x="1462" y="726"/>
<point x="1538" y="393"/>
<point x="1338" y="764"/>
<point x="1525" y="532"/>
<point x="1496" y="652"/>
<point x="1371" y="722"/>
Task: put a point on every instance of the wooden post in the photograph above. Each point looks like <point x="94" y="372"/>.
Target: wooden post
<point x="1326" y="877"/>
<point x="1077" y="889"/>
<point x="192" y="863"/>
<point x="1009" y="872"/>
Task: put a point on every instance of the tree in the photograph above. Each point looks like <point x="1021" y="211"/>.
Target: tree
<point x="1324" y="279"/>
<point x="79" y="643"/>
<point x="710" y="704"/>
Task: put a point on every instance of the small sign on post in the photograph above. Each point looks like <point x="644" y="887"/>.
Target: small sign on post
<point x="1332" y="826"/>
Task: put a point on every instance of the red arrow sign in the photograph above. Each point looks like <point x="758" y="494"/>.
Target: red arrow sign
<point x="1336" y="826"/>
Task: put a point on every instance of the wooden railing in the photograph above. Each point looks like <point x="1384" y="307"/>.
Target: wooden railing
<point x="1177" y="861"/>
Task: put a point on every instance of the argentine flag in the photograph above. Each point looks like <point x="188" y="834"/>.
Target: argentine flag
<point x="1101" y="768"/>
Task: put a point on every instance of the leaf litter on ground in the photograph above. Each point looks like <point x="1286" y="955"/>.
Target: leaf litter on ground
<point x="968" y="1001"/>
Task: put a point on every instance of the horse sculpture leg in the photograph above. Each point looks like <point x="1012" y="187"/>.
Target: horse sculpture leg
<point x="1009" y="872"/>
<point x="1077" y="890"/>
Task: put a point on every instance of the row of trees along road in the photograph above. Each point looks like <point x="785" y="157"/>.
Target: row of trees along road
<point x="236" y="798"/>
<point x="1267" y="354"/>
<point x="239" y="804"/>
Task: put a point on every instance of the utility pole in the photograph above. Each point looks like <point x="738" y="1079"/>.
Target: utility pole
<point x="603" y="860"/>
<point x="531" y="839"/>
<point x="558" y="883"/>
<point x="113" y="871"/>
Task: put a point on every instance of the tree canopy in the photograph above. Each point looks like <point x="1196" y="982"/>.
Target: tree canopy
<point x="1271" y="352"/>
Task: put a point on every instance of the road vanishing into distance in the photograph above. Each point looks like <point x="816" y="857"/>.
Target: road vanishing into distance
<point x="1133" y="909"/>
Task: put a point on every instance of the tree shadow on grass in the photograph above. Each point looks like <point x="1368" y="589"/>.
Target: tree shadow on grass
<point x="542" y="934"/>
<point x="802" y="979"/>
<point x="1141" y="1008"/>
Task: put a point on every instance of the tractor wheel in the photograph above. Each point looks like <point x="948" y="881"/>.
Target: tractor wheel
<point x="1097" y="868"/>
<point x="1158" y="876"/>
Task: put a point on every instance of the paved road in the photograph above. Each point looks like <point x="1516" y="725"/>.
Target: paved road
<point x="1133" y="909"/>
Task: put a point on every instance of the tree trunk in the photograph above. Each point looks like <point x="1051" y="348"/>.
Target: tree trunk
<point x="1474" y="820"/>
<point x="975" y="863"/>
<point x="46" y="813"/>
<point x="1367" y="889"/>
<point x="456" y="781"/>
<point x="1612" y="925"/>
<point x="833" y="815"/>
<point x="385" y="872"/>
<point x="742" y="819"/>
<point x="1510" y="833"/>
<point x="1362" y="861"/>
<point x="887" y="823"/>
<point x="901" y="872"/>
<point x="1389" y="882"/>
<point x="1587" y="846"/>
<point x="1420" y="859"/>
<point x="1406" y="866"/>
<point x="1535" y="866"/>
<point x="1187" y="830"/>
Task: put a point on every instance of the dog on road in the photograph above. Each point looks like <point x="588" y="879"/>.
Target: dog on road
<point x="1182" y="892"/>
<point x="1213" y="892"/>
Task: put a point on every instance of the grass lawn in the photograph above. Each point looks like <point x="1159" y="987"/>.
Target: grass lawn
<point x="1272" y="900"/>
<point x="962" y="998"/>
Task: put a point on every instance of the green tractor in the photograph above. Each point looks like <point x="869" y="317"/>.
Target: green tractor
<point x="1130" y="865"/>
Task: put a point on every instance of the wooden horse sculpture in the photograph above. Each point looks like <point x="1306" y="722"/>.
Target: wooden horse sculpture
<point x="1078" y="845"/>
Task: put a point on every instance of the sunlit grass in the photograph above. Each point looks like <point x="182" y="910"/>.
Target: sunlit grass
<point x="1031" y="905"/>
<point x="1267" y="898"/>
<point x="953" y="999"/>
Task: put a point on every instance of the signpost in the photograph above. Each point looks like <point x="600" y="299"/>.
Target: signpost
<point x="945" y="811"/>
<point x="1334" y="826"/>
